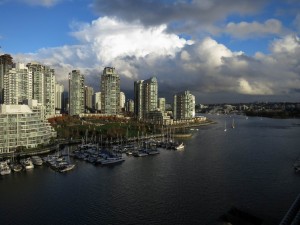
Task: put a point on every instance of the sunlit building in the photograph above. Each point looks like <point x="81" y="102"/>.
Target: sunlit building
<point x="97" y="101"/>
<point x="76" y="93"/>
<point x="184" y="106"/>
<point x="110" y="91"/>
<point x="145" y="97"/>
<point x="43" y="86"/>
<point x="23" y="127"/>
<point x="17" y="85"/>
<point x="59" y="90"/>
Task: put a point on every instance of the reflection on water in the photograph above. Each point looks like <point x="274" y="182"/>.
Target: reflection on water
<point x="249" y="167"/>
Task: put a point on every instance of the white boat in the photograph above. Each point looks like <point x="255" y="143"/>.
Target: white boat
<point x="66" y="168"/>
<point x="112" y="160"/>
<point x="4" y="168"/>
<point x="27" y="163"/>
<point x="180" y="147"/>
<point x="16" y="167"/>
<point x="36" y="160"/>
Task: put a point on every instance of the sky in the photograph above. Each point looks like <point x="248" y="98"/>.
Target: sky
<point x="222" y="51"/>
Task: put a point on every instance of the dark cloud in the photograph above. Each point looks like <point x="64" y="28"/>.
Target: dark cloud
<point x="184" y="15"/>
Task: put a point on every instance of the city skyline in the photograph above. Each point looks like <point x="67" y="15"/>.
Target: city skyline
<point x="222" y="51"/>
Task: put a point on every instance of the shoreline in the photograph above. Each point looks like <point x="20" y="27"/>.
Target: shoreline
<point x="58" y="145"/>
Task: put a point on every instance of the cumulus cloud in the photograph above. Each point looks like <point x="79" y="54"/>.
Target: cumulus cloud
<point x="207" y="68"/>
<point x="254" y="29"/>
<point x="111" y="38"/>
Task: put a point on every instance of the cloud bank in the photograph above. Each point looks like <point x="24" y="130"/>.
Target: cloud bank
<point x="207" y="68"/>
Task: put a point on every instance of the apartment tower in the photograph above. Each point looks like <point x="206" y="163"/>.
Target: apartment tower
<point x="110" y="91"/>
<point x="76" y="93"/>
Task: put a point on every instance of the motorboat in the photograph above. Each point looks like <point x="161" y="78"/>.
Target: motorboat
<point x="4" y="168"/>
<point x="27" y="163"/>
<point x="36" y="160"/>
<point x="180" y="147"/>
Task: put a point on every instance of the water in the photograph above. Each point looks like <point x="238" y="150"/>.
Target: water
<point x="249" y="167"/>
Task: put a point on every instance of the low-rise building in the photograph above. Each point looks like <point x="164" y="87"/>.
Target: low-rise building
<point x="23" y="127"/>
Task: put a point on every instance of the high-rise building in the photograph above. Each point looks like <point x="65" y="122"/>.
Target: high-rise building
<point x="161" y="104"/>
<point x="145" y="97"/>
<point x="88" y="98"/>
<point x="43" y="86"/>
<point x="97" y="101"/>
<point x="76" y="93"/>
<point x="184" y="106"/>
<point x="129" y="105"/>
<point x="138" y="99"/>
<point x="17" y="85"/>
<point x="59" y="89"/>
<point x="122" y="100"/>
<point x="110" y="91"/>
<point x="6" y="63"/>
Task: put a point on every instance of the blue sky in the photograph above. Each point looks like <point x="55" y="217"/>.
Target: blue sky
<point x="222" y="51"/>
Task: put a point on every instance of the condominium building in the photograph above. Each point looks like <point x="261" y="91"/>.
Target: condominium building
<point x="59" y="90"/>
<point x="97" y="101"/>
<point x="6" y="63"/>
<point x="110" y="91"/>
<point x="129" y="106"/>
<point x="145" y="97"/>
<point x="43" y="86"/>
<point x="17" y="85"/>
<point x="122" y="100"/>
<point x="184" y="106"/>
<point x="76" y="93"/>
<point x="88" y="98"/>
<point x="22" y="127"/>
<point x="161" y="104"/>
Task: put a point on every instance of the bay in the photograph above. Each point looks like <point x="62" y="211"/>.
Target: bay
<point x="249" y="167"/>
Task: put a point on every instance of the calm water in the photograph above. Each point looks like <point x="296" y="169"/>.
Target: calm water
<point x="249" y="167"/>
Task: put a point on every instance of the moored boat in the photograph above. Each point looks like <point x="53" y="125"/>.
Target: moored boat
<point x="4" y="168"/>
<point x="180" y="147"/>
<point x="27" y="163"/>
<point x="36" y="160"/>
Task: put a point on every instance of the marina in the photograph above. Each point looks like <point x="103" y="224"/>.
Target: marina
<point x="249" y="167"/>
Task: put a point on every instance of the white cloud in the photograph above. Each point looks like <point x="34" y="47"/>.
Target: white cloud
<point x="254" y="29"/>
<point x="110" y="39"/>
<point x="255" y="88"/>
<point x="289" y="44"/>
<point x="205" y="66"/>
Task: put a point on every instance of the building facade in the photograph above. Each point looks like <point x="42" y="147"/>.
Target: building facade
<point x="76" y="93"/>
<point x="17" y="85"/>
<point x="59" y="90"/>
<point x="110" y="91"/>
<point x="129" y="106"/>
<point x="145" y="97"/>
<point x="161" y="104"/>
<point x="23" y="127"/>
<point x="43" y="86"/>
<point x="6" y="63"/>
<point x="88" y="98"/>
<point x="184" y="106"/>
<point x="122" y="100"/>
<point x="97" y="101"/>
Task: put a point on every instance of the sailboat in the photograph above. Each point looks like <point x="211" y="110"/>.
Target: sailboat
<point x="232" y="125"/>
<point x="225" y="127"/>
